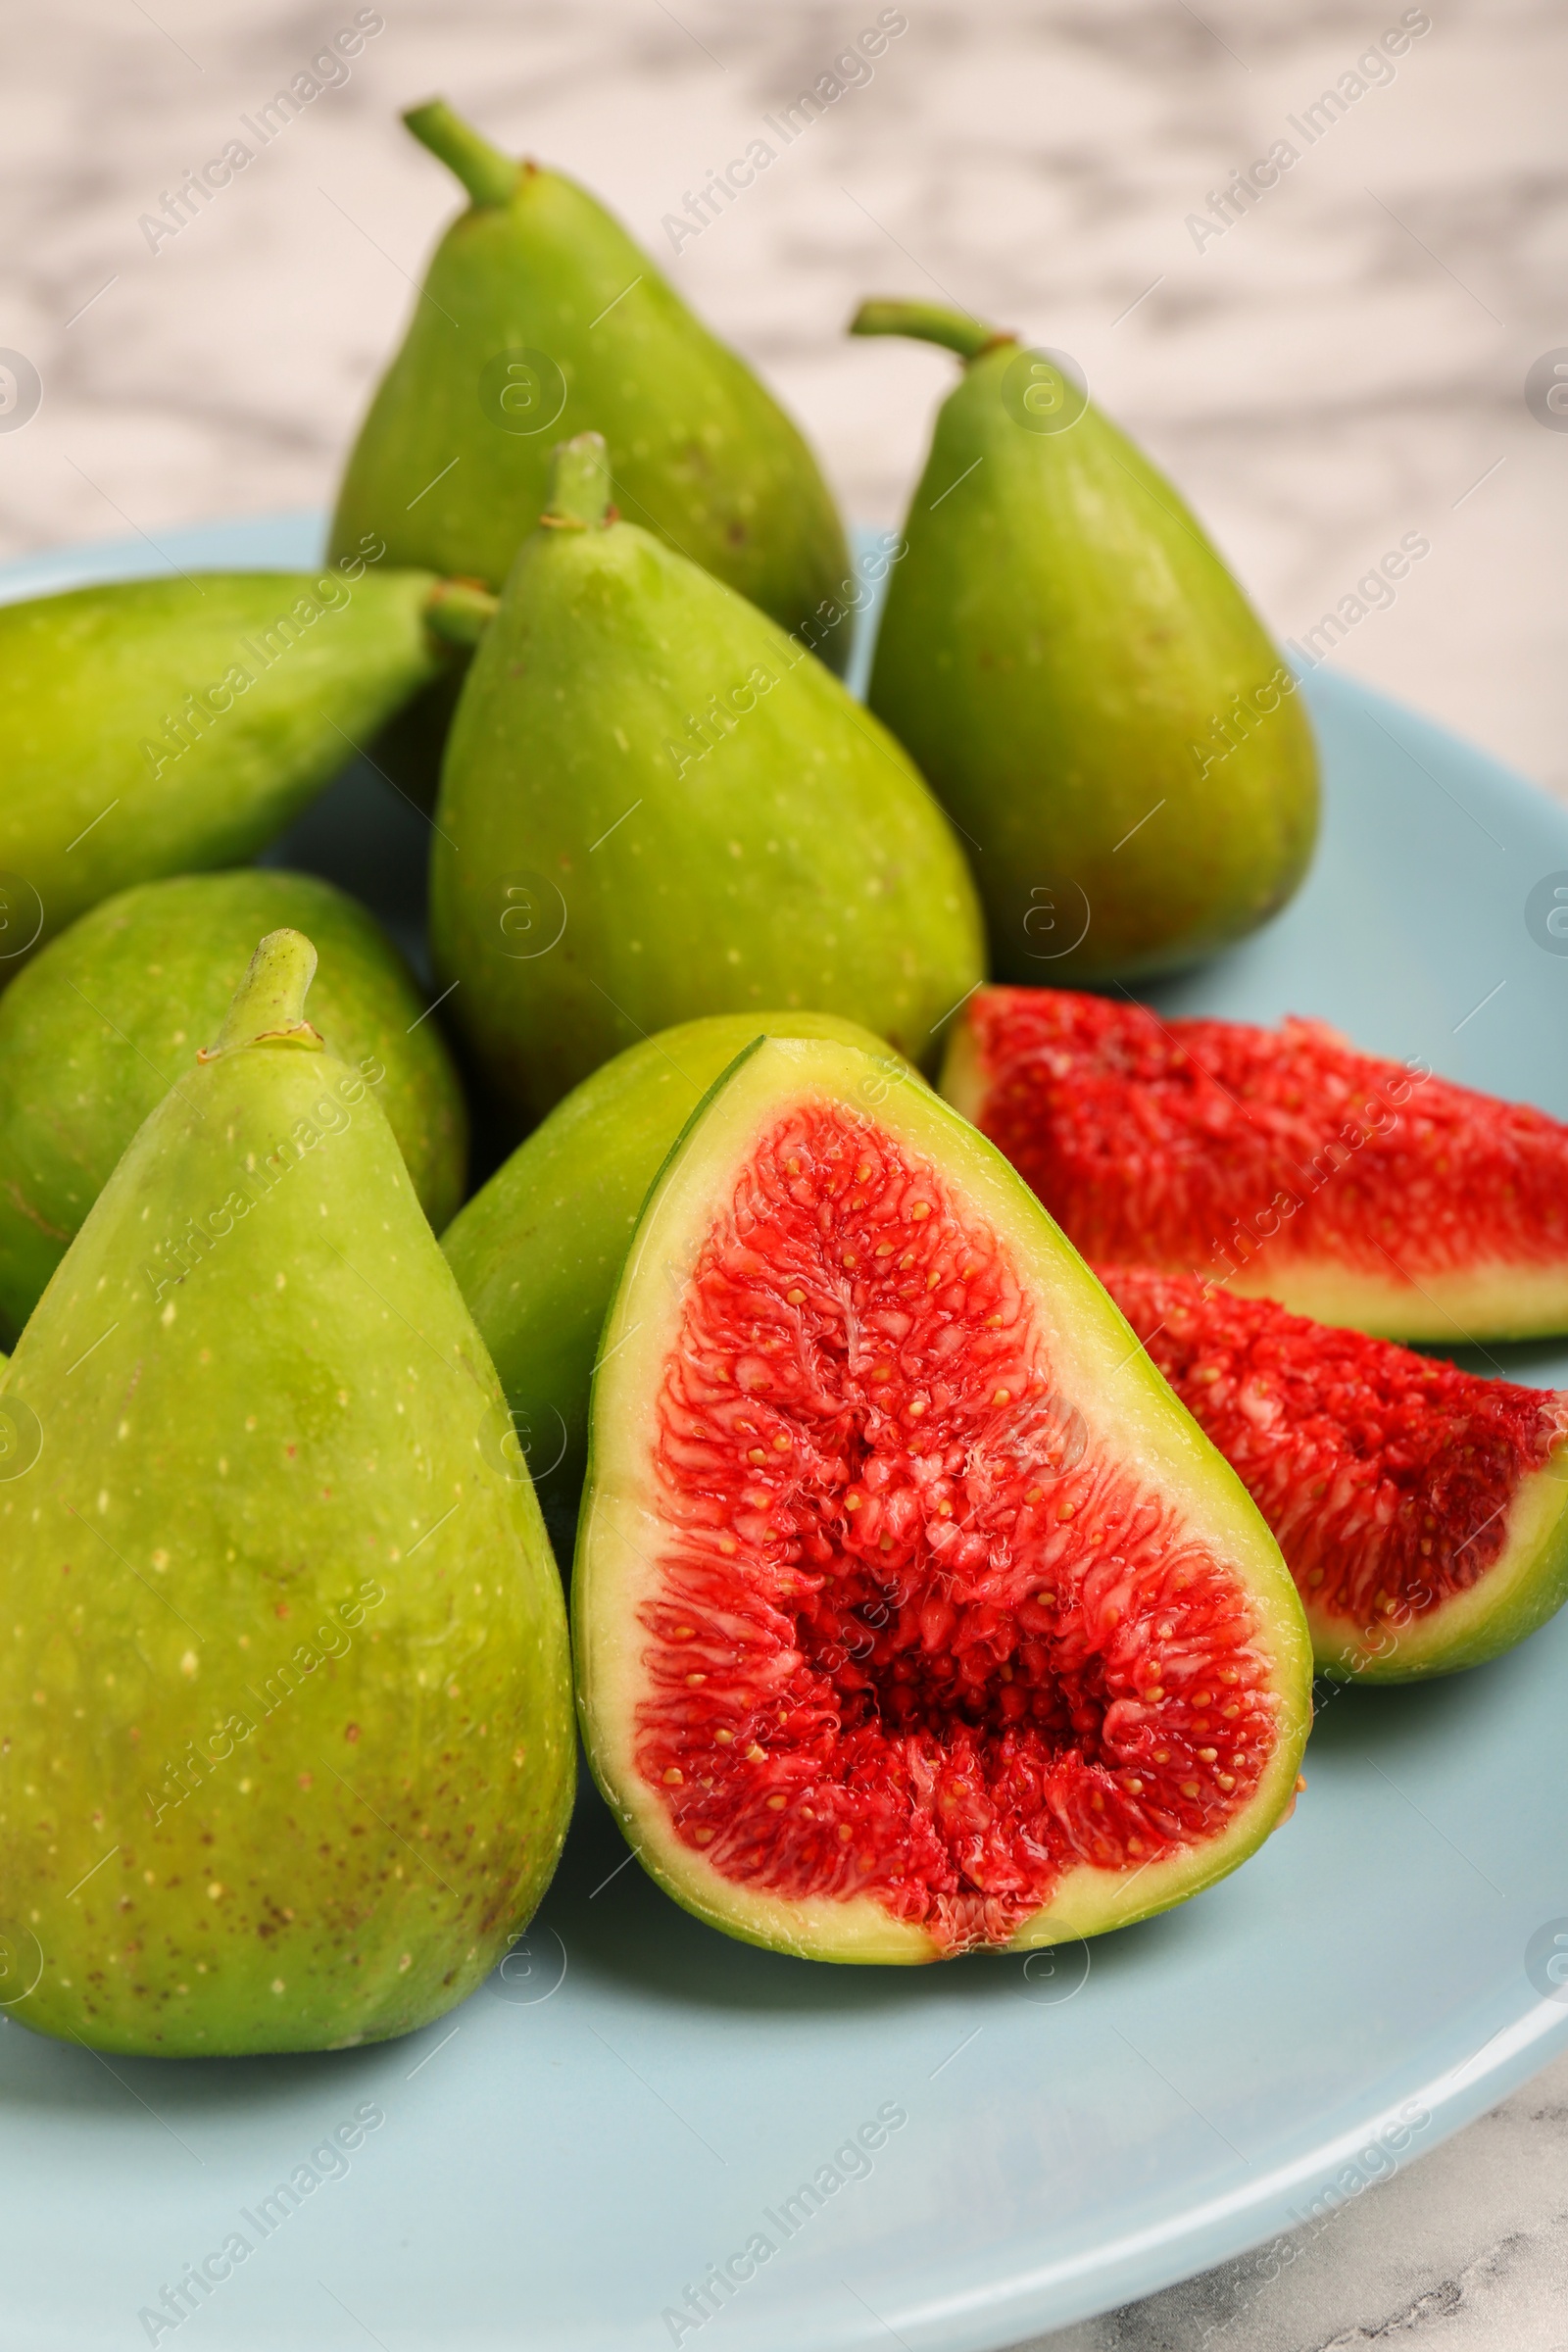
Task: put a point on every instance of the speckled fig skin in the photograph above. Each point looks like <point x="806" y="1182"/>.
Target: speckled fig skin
<point x="98" y="1026"/>
<point x="286" y="1750"/>
<point x="703" y="455"/>
<point x="1070" y="663"/>
<point x="168" y="726"/>
<point x="537" y="1252"/>
<point x="655" y="806"/>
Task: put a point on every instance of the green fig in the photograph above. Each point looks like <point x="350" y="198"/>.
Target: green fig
<point x="288" y="1750"/>
<point x="538" y="1249"/>
<point x="655" y="806"/>
<point x="1082" y="680"/>
<point x="538" y="313"/>
<point x="96" y="1029"/>
<point x="152" y="727"/>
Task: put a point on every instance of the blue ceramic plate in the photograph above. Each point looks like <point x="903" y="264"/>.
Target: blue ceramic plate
<point x="952" y="2158"/>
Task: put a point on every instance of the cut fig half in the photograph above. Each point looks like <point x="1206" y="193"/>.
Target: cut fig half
<point x="1422" y="1509"/>
<point x="1283" y="1162"/>
<point x="913" y="1613"/>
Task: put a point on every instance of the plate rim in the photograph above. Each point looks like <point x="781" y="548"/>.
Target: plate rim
<point x="1143" y="2262"/>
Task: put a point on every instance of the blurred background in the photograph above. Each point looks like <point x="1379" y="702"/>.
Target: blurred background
<point x="1343" y="364"/>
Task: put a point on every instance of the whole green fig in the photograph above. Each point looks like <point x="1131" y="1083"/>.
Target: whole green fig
<point x="540" y="316"/>
<point x="95" y="1030"/>
<point x="1082" y="681"/>
<point x="655" y="806"/>
<point x="153" y="727"/>
<point x="288" y="1750"/>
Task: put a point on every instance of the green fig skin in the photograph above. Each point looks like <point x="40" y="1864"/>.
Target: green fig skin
<point x="1060" y="650"/>
<point x="289" y="1752"/>
<point x="655" y="806"/>
<point x="99" y="1025"/>
<point x="703" y="455"/>
<point x="538" y="1249"/>
<point x="133" y="748"/>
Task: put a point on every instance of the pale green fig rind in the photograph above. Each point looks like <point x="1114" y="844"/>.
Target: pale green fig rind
<point x="963" y="1081"/>
<point x="1099" y="1362"/>
<point x="1493" y="1300"/>
<point x="250" y="1456"/>
<point x="797" y="862"/>
<point x="108" y="1015"/>
<point x="1057" y="638"/>
<point x="537" y="1251"/>
<point x="1525" y="1586"/>
<point x="132" y="752"/>
<point x="703" y="455"/>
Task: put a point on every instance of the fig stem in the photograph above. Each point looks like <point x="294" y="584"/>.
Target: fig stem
<point x="269" y="1001"/>
<point x="929" y="322"/>
<point x="488" y="175"/>
<point x="580" y="484"/>
<point x="458" y="612"/>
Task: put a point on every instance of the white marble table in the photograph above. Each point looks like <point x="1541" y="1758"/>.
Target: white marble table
<point x="1343" y="365"/>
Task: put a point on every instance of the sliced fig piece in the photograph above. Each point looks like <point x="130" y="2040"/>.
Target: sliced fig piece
<point x="913" y="1612"/>
<point x="1283" y="1162"/>
<point x="1422" y="1510"/>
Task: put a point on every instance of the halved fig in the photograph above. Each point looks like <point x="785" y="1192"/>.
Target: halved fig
<point x="912" y="1611"/>
<point x="1422" y="1509"/>
<point x="1283" y="1162"/>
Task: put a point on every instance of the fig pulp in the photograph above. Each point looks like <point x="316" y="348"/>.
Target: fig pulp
<point x="1422" y="1510"/>
<point x="1282" y="1162"/>
<point x="913" y="1612"/>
